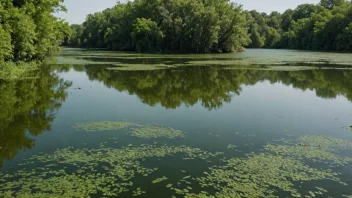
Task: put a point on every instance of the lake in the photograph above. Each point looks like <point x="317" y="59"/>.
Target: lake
<point x="261" y="123"/>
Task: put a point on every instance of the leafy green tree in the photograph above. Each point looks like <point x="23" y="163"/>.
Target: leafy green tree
<point x="147" y="35"/>
<point x="329" y="4"/>
<point x="273" y="38"/>
<point x="304" y="11"/>
<point x="257" y="41"/>
<point x="274" y="20"/>
<point x="185" y="26"/>
<point x="202" y="26"/>
<point x="286" y="20"/>
<point x="30" y="32"/>
<point x="76" y="34"/>
<point x="325" y="26"/>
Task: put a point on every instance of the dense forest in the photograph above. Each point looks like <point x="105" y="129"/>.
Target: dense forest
<point x="165" y="25"/>
<point x="29" y="31"/>
<point x="200" y="26"/>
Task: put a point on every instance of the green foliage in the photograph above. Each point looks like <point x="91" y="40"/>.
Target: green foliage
<point x="257" y="41"/>
<point x="30" y="32"/>
<point x="326" y="26"/>
<point x="75" y="38"/>
<point x="146" y="35"/>
<point x="166" y="26"/>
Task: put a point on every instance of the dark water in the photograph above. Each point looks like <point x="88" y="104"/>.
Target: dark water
<point x="214" y="107"/>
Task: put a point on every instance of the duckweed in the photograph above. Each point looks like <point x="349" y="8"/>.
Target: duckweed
<point x="105" y="171"/>
<point x="324" y="142"/>
<point x="317" y="148"/>
<point x="317" y="154"/>
<point x="159" y="180"/>
<point x="102" y="126"/>
<point x="256" y="175"/>
<point x="280" y="168"/>
<point x="149" y="132"/>
<point x="138" y="192"/>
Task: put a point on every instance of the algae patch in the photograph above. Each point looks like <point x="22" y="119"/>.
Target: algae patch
<point x="158" y="180"/>
<point x="258" y="175"/>
<point x="149" y="132"/>
<point x="102" y="126"/>
<point x="105" y="171"/>
<point x="279" y="169"/>
<point x="317" y="148"/>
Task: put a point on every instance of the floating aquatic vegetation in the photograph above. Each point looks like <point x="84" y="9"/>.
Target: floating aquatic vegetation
<point x="169" y="185"/>
<point x="102" y="126"/>
<point x="149" y="132"/>
<point x="262" y="175"/>
<point x="105" y="171"/>
<point x="258" y="175"/>
<point x="159" y="180"/>
<point x="317" y="154"/>
<point x="140" y="67"/>
<point x="324" y="142"/>
<point x="315" y="147"/>
<point x="138" y="192"/>
<point x="231" y="146"/>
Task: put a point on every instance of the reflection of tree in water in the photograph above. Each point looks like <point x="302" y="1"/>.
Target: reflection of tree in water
<point x="212" y="86"/>
<point x="28" y="106"/>
<point x="172" y="88"/>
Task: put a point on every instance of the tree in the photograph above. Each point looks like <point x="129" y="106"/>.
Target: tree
<point x="273" y="38"/>
<point x="329" y="4"/>
<point x="76" y="34"/>
<point x="184" y="26"/>
<point x="147" y="35"/>
<point x="304" y="11"/>
<point x="203" y="26"/>
<point x="286" y="19"/>
<point x="30" y="32"/>
<point x="257" y="41"/>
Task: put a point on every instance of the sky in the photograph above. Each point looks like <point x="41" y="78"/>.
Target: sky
<point x="79" y="9"/>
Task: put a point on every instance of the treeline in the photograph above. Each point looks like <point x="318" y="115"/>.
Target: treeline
<point x="326" y="26"/>
<point x="199" y="26"/>
<point x="29" y="31"/>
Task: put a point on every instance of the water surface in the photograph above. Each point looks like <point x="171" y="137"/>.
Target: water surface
<point x="229" y="122"/>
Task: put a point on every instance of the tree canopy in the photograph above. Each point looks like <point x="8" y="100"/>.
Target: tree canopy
<point x="184" y="26"/>
<point x="29" y="30"/>
<point x="326" y="26"/>
<point x="201" y="26"/>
